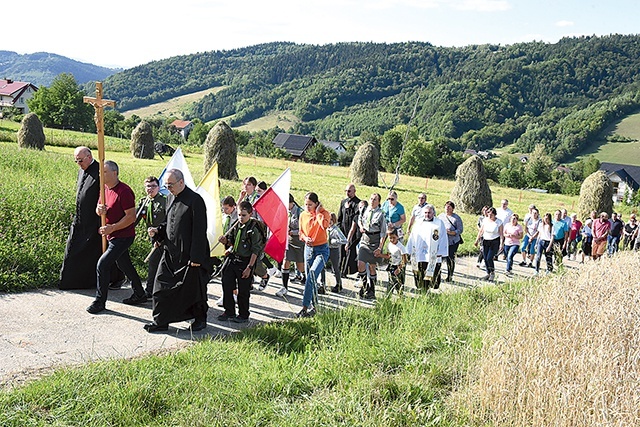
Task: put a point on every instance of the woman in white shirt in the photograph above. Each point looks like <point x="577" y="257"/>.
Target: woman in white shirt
<point x="543" y="246"/>
<point x="491" y="233"/>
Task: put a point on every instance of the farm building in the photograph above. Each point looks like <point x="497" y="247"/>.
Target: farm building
<point x="624" y="178"/>
<point x="295" y="145"/>
<point x="16" y="94"/>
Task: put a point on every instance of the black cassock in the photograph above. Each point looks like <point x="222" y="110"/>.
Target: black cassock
<point x="84" y="245"/>
<point x="180" y="291"/>
<point x="346" y="215"/>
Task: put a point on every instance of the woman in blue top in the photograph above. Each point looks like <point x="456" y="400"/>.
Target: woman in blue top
<point x="394" y="213"/>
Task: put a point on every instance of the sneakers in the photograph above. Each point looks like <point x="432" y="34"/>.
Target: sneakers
<point x="282" y="292"/>
<point x="306" y="313"/>
<point x="239" y="319"/>
<point x="96" y="308"/>
<point x="530" y="265"/>
<point x="336" y="289"/>
<point x="263" y="284"/>
<point x="274" y="272"/>
<point x="116" y="285"/>
<point x="224" y="317"/>
<point x="508" y="273"/>
<point x="523" y="264"/>
<point x="135" y="300"/>
<point x="298" y="279"/>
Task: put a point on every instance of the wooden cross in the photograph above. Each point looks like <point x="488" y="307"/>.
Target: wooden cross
<point x="99" y="104"/>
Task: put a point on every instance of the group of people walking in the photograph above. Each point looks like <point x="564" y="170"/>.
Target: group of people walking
<point x="552" y="236"/>
<point x="356" y="240"/>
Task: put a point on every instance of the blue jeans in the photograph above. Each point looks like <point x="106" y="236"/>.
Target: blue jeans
<point x="117" y="253"/>
<point x="612" y="244"/>
<point x="315" y="258"/>
<point x="511" y="251"/>
<point x="541" y="248"/>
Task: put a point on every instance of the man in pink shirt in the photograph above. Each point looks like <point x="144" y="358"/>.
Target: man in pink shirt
<point x="601" y="227"/>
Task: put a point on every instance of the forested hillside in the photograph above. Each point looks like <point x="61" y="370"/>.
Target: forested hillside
<point x="41" y="68"/>
<point x="558" y="95"/>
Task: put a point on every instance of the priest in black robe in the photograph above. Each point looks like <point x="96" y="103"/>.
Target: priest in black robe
<point x="84" y="244"/>
<point x="180" y="289"/>
<point x="346" y="214"/>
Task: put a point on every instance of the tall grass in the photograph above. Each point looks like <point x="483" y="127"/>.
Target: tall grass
<point x="396" y="365"/>
<point x="571" y="354"/>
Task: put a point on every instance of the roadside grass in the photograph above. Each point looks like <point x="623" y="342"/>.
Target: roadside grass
<point x="37" y="202"/>
<point x="399" y="364"/>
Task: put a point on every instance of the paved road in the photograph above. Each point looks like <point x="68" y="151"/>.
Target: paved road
<point x="42" y="330"/>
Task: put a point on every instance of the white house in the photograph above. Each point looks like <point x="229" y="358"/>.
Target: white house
<point x="16" y="94"/>
<point x="624" y="179"/>
<point x="183" y="126"/>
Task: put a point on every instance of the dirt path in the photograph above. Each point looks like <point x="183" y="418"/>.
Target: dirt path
<point x="43" y="330"/>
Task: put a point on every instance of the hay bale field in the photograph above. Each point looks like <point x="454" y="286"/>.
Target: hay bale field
<point x="570" y="356"/>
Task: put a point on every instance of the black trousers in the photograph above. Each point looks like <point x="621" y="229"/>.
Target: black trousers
<point x="421" y="283"/>
<point x="232" y="278"/>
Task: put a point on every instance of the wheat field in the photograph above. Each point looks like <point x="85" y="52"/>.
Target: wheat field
<point x="569" y="356"/>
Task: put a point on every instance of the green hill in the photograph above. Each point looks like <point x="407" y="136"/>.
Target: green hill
<point x="560" y="95"/>
<point x="619" y="143"/>
<point x="41" y="68"/>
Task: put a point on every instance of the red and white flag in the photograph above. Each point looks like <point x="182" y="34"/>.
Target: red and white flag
<point x="273" y="208"/>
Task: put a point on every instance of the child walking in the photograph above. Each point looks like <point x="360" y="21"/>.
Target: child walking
<point x="336" y="240"/>
<point x="398" y="258"/>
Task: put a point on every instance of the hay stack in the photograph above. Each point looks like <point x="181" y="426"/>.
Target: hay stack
<point x="220" y="146"/>
<point x="31" y="133"/>
<point x="471" y="191"/>
<point x="365" y="165"/>
<point x="596" y="194"/>
<point x="142" y="141"/>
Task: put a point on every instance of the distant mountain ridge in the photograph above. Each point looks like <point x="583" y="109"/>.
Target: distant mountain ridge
<point x="560" y="95"/>
<point x="41" y="68"/>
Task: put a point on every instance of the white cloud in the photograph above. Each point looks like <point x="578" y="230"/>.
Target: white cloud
<point x="418" y="4"/>
<point x="564" y="24"/>
<point x="482" y="5"/>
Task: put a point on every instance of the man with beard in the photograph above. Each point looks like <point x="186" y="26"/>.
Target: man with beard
<point x="180" y="290"/>
<point x="346" y="214"/>
<point x="429" y="244"/>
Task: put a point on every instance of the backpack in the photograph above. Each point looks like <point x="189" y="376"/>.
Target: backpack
<point x="261" y="227"/>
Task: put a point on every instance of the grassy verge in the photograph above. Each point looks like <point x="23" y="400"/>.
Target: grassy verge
<point x="396" y="365"/>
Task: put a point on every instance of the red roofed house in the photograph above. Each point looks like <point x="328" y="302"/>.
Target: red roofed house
<point x="15" y="94"/>
<point x="183" y="126"/>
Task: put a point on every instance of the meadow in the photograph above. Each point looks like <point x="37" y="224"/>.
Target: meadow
<point x="624" y="153"/>
<point x="463" y="358"/>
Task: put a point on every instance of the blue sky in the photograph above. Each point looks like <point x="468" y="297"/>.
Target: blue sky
<point x="126" y="33"/>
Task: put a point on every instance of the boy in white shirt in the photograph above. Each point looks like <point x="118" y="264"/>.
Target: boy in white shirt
<point x="398" y="257"/>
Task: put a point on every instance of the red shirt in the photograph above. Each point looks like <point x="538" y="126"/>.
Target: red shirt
<point x="575" y="229"/>
<point x="600" y="228"/>
<point x="119" y="199"/>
